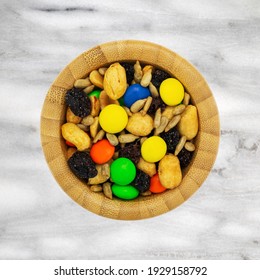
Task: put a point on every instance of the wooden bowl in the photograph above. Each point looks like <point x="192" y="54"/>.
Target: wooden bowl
<point x="207" y="140"/>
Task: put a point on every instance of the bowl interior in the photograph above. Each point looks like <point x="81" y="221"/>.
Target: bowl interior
<point x="207" y="140"/>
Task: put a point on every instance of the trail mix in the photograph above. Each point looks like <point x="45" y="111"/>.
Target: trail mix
<point x="130" y="130"/>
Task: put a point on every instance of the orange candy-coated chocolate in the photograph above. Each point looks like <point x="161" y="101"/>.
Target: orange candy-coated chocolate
<point x="102" y="151"/>
<point x="155" y="185"/>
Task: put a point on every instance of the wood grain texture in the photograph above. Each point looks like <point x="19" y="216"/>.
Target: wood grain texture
<point x="207" y="140"/>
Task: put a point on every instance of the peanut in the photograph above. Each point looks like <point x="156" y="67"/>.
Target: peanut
<point x="106" y="100"/>
<point x="115" y="83"/>
<point x="140" y="125"/>
<point x="147" y="167"/>
<point x="71" y="117"/>
<point x="82" y="83"/>
<point x="188" y="125"/>
<point x="96" y="79"/>
<point x="170" y="171"/>
<point x="72" y="133"/>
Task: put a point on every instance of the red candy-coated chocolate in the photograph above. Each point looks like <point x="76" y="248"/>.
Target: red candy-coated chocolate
<point x="70" y="144"/>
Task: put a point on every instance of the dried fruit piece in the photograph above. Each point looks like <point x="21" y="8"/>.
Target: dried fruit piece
<point x="171" y="138"/>
<point x="170" y="171"/>
<point x="184" y="157"/>
<point x="159" y="76"/>
<point x="82" y="165"/>
<point x="132" y="152"/>
<point x="78" y="102"/>
<point x="141" y="181"/>
<point x="129" y="69"/>
<point x="115" y="81"/>
<point x="156" y="104"/>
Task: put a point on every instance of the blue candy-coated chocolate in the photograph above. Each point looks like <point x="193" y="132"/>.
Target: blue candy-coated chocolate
<point x="134" y="93"/>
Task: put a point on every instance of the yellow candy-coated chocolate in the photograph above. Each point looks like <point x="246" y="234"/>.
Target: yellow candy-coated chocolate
<point x="153" y="149"/>
<point x="171" y="91"/>
<point x="113" y="118"/>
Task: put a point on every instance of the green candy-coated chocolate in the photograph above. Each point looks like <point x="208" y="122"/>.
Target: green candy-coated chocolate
<point x="124" y="192"/>
<point x="122" y="171"/>
<point x="95" y="92"/>
<point x="121" y="101"/>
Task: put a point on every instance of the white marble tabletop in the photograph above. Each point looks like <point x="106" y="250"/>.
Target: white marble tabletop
<point x="221" y="220"/>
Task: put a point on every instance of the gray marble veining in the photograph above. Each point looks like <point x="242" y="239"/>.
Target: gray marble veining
<point x="38" y="220"/>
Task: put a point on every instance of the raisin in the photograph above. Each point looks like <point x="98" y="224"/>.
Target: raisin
<point x="131" y="151"/>
<point x="82" y="165"/>
<point x="141" y="181"/>
<point x="184" y="157"/>
<point x="156" y="103"/>
<point x="78" y="102"/>
<point x="129" y="69"/>
<point x="158" y="77"/>
<point x="171" y="139"/>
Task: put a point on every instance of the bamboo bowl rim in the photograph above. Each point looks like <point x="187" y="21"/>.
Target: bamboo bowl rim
<point x="207" y="140"/>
